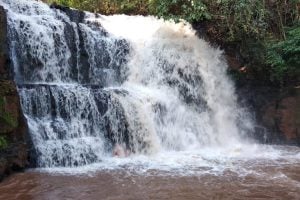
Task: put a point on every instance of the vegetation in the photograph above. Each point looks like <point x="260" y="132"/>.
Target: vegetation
<point x="266" y="32"/>
<point x="5" y="117"/>
<point x="190" y="11"/>
<point x="283" y="56"/>
<point x="108" y="6"/>
<point x="3" y="142"/>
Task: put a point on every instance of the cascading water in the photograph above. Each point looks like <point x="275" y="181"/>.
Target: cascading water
<point x="88" y="82"/>
<point x="92" y="86"/>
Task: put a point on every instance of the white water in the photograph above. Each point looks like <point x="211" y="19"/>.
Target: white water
<point x="150" y="85"/>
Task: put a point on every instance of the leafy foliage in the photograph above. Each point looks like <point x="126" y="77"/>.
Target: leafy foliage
<point x="239" y="19"/>
<point x="284" y="56"/>
<point x="108" y="6"/>
<point x="193" y="10"/>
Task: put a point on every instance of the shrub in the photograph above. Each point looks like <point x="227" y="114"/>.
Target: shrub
<point x="283" y="56"/>
<point x="191" y="11"/>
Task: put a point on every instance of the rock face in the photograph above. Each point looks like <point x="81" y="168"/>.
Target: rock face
<point x="277" y="112"/>
<point x="13" y="128"/>
<point x="282" y="116"/>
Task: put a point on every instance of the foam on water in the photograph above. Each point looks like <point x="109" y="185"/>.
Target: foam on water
<point x="148" y="85"/>
<point x="242" y="161"/>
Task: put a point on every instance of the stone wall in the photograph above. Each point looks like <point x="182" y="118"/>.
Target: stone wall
<point x="13" y="126"/>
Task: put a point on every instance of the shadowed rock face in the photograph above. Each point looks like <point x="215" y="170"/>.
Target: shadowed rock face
<point x="282" y="115"/>
<point x="13" y="128"/>
<point x="277" y="112"/>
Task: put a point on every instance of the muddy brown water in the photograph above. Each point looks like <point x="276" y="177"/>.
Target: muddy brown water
<point x="263" y="181"/>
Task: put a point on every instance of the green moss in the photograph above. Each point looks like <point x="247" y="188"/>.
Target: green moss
<point x="6" y="87"/>
<point x="3" y="142"/>
<point x="7" y="120"/>
<point x="6" y="117"/>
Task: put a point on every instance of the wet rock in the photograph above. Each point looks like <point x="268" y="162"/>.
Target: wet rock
<point x="75" y="15"/>
<point x="277" y="113"/>
<point x="282" y="116"/>
<point x="3" y="45"/>
<point x="13" y="128"/>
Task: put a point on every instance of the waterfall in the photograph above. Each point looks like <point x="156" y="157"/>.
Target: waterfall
<point x="89" y="82"/>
